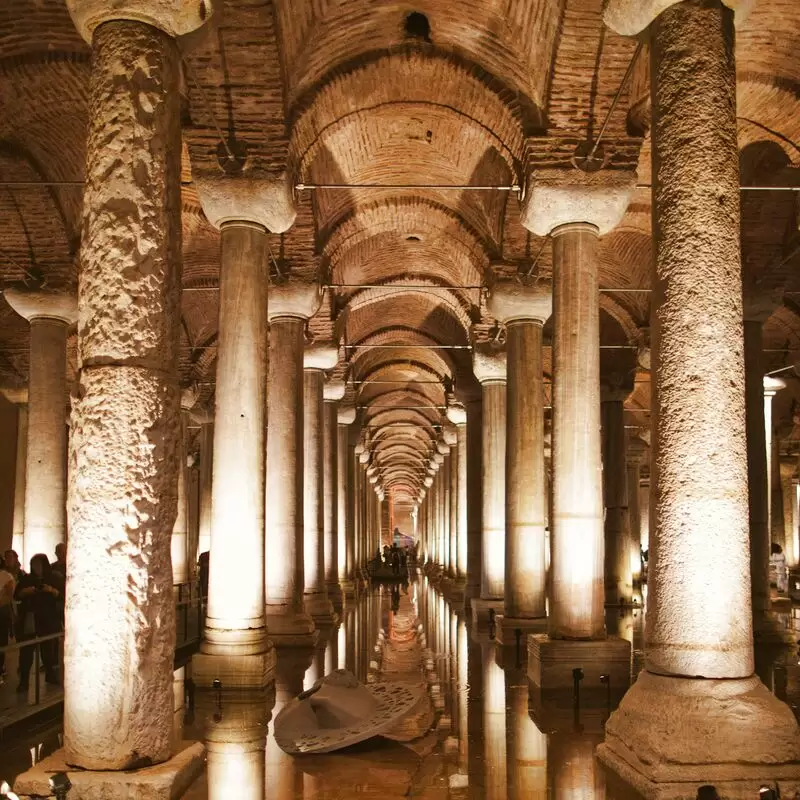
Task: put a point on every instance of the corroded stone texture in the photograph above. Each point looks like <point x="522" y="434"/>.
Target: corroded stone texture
<point x="631" y="17"/>
<point x="576" y="528"/>
<point x="525" y="573"/>
<point x="699" y="615"/>
<point x="123" y="452"/>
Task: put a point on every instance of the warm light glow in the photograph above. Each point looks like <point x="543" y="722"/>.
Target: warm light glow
<point x="494" y="725"/>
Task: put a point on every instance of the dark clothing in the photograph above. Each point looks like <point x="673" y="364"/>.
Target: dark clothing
<point x="5" y="632"/>
<point x="39" y="614"/>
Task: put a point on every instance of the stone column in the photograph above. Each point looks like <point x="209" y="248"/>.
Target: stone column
<point x="474" y="498"/>
<point x="524" y="309"/>
<point x="347" y="461"/>
<point x="788" y="469"/>
<point x="333" y="392"/>
<point x="636" y="454"/>
<point x="617" y="527"/>
<point x="772" y="386"/>
<point x="317" y="359"/>
<point x="489" y="366"/>
<point x="457" y="414"/>
<point x="235" y="647"/>
<point x="671" y="729"/>
<point x="50" y="314"/>
<point x="205" y="479"/>
<point x="120" y="616"/>
<point x="19" y="397"/>
<point x="451" y="440"/>
<point x="290" y="306"/>
<point x="179" y="548"/>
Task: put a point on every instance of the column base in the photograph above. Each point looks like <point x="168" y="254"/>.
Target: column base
<point x="336" y="596"/>
<point x="671" y="735"/>
<point x="456" y="591"/>
<point x="348" y="589"/>
<point x="481" y="612"/>
<point x="551" y="662"/>
<point x="291" y="629"/>
<point x="507" y="627"/>
<point x="160" y="782"/>
<point x="234" y="671"/>
<point x="320" y="608"/>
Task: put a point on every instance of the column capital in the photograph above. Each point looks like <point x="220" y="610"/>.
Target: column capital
<point x="456" y="413"/>
<point x="773" y="385"/>
<point x="174" y="17"/>
<point x="428" y="482"/>
<point x="515" y="301"/>
<point x="201" y="416"/>
<point x="558" y="197"/>
<point x="364" y="456"/>
<point x="788" y="466"/>
<point x="450" y="434"/>
<point x="320" y="356"/>
<point x="489" y="363"/>
<point x="188" y="398"/>
<point x="294" y="299"/>
<point x="333" y="392"/>
<point x="18" y="395"/>
<point x="442" y="448"/>
<point x="39" y="304"/>
<point x="631" y="17"/>
<point x="251" y="197"/>
<point x="438" y="457"/>
<point x="346" y="415"/>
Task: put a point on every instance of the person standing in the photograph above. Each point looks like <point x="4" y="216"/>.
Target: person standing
<point x="7" y="585"/>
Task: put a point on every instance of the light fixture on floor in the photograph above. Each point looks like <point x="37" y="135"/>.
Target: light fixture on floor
<point x="60" y="784"/>
<point x="5" y="791"/>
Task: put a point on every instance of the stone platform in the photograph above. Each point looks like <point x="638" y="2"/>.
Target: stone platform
<point x="480" y="611"/>
<point x="507" y="628"/>
<point x="165" y="781"/>
<point x="551" y="662"/>
<point x="670" y="735"/>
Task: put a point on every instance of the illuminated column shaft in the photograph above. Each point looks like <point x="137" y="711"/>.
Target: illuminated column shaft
<point x="206" y="483"/>
<point x="120" y="616"/>
<point x="576" y="609"/>
<point x="235" y="624"/>
<point x="453" y="494"/>
<point x="18" y="520"/>
<point x="618" y="577"/>
<point x="489" y="367"/>
<point x="757" y="472"/>
<point x="180" y="530"/>
<point x="524" y="309"/>
<point x="699" y="612"/>
<point x="332" y="393"/>
<point x="316" y="591"/>
<point x="350" y="501"/>
<point x="285" y="569"/>
<point x="494" y="725"/>
<point x="789" y="493"/>
<point x="444" y="513"/>
<point x="461" y="504"/>
<point x="634" y="457"/>
<point x="774" y="509"/>
<point x="45" y="465"/>
<point x="474" y="497"/>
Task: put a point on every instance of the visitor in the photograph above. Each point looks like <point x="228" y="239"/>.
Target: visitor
<point x="203" y="569"/>
<point x="11" y="563"/>
<point x="39" y="595"/>
<point x="59" y="567"/>
<point x="395" y="559"/>
<point x="7" y="585"/>
<point x="779" y="574"/>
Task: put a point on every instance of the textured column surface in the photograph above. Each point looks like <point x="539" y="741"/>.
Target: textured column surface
<point x="284" y="498"/>
<point x="330" y="497"/>
<point x="235" y="624"/>
<point x="772" y="386"/>
<point x="525" y="583"/>
<point x="494" y="491"/>
<point x="316" y="592"/>
<point x="618" y="575"/>
<point x="576" y="530"/>
<point x="444" y="507"/>
<point x="474" y="497"/>
<point x="699" y="619"/>
<point x="206" y="484"/>
<point x="635" y="455"/>
<point x="789" y="497"/>
<point x="120" y="617"/>
<point x="343" y="568"/>
<point x="697" y="711"/>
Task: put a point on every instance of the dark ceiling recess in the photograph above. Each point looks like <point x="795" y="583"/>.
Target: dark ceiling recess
<point x="418" y="27"/>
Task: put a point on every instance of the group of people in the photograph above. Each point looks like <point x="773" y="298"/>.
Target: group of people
<point x="32" y="606"/>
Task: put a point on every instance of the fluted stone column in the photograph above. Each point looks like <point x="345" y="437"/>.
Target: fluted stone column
<point x="291" y="305"/>
<point x="235" y="647"/>
<point x="50" y="314"/>
<point x="120" y="617"/>
<point x="474" y="497"/>
<point x="617" y="527"/>
<point x="333" y="392"/>
<point x="317" y="359"/>
<point x="489" y="366"/>
<point x="457" y="414"/>
<point x="524" y="309"/>
<point x="671" y="728"/>
<point x="19" y="397"/>
<point x="179" y="549"/>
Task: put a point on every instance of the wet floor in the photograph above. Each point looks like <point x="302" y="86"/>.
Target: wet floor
<point x="484" y="733"/>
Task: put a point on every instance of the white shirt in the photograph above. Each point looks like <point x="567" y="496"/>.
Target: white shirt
<point x="7" y="585"/>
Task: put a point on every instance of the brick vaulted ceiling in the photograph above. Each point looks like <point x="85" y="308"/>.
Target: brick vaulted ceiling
<point x="349" y="92"/>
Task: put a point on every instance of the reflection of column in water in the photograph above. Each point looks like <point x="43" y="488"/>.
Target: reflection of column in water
<point x="332" y="651"/>
<point x="573" y="773"/>
<point x="453" y="662"/>
<point x="463" y="690"/>
<point x="235" y="734"/>
<point x="526" y="744"/>
<point x="349" y="628"/>
<point x="284" y="777"/>
<point x="178" y="707"/>
<point x="494" y="724"/>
